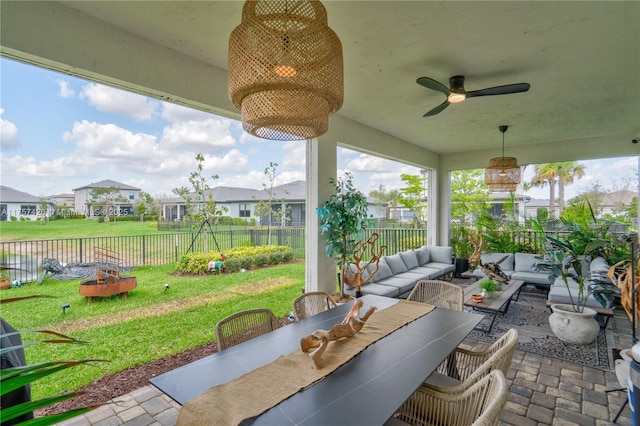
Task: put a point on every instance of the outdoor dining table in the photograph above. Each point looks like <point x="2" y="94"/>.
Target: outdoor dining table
<point x="367" y="389"/>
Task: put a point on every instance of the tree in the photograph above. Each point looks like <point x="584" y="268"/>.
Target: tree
<point x="385" y="197"/>
<point x="562" y="173"/>
<point x="106" y="199"/>
<point x="265" y="207"/>
<point x="546" y="174"/>
<point x="200" y="204"/>
<point x="343" y="220"/>
<point x="414" y="196"/>
<point x="469" y="195"/>
<point x="146" y="204"/>
<point x="567" y="171"/>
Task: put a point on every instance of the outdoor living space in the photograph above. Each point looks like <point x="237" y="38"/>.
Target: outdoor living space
<point x="580" y="61"/>
<point x="543" y="389"/>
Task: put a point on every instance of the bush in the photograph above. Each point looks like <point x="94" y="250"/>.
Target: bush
<point x="261" y="259"/>
<point x="240" y="257"/>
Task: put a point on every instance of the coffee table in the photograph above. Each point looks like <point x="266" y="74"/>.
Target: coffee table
<point x="495" y="305"/>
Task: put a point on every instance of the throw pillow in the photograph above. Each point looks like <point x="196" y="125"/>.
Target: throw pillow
<point x="396" y="264"/>
<point x="410" y="259"/>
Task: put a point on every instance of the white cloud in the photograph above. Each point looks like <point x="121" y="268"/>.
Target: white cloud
<point x="174" y="113"/>
<point x="207" y="135"/>
<point x="116" y="101"/>
<point x="295" y="153"/>
<point x="65" y="89"/>
<point x="8" y="134"/>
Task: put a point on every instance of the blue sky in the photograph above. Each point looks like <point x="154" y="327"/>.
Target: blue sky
<point x="59" y="132"/>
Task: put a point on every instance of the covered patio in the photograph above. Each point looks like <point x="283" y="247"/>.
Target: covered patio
<point x="582" y="60"/>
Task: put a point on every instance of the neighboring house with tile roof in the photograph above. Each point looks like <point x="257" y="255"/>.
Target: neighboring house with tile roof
<point x="22" y="205"/>
<point x="87" y="203"/>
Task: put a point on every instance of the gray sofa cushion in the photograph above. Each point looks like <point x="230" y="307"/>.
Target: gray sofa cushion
<point x="428" y="273"/>
<point x="375" y="288"/>
<point x="533" y="277"/>
<point x="396" y="264"/>
<point x="524" y="262"/>
<point x="423" y="255"/>
<point x="441" y="254"/>
<point x="410" y="259"/>
<point x="383" y="271"/>
<point x="403" y="282"/>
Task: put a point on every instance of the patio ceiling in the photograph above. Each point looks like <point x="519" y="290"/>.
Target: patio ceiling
<point x="582" y="60"/>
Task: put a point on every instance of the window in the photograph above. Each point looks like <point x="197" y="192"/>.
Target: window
<point x="245" y="210"/>
<point x="132" y="195"/>
<point x="27" y="210"/>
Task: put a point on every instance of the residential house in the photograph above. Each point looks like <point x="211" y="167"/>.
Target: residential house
<point x="241" y="203"/>
<point x="21" y="205"/>
<point x="86" y="199"/>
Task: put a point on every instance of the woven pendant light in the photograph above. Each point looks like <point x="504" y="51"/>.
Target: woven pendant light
<point x="285" y="69"/>
<point x="503" y="173"/>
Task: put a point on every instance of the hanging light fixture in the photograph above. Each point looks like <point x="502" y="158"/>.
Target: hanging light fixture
<point x="285" y="69"/>
<point x="503" y="173"/>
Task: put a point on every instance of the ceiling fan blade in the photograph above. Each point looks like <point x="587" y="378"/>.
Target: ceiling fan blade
<point x="430" y="83"/>
<point x="437" y="109"/>
<point x="500" y="90"/>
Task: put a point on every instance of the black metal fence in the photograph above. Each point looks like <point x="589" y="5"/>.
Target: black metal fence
<point x="25" y="258"/>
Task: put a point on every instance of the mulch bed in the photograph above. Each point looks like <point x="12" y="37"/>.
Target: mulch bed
<point x="123" y="382"/>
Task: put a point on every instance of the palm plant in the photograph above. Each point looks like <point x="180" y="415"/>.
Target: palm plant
<point x="16" y="376"/>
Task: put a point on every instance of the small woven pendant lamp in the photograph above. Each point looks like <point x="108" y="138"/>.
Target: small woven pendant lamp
<point x="503" y="173"/>
<point x="285" y="69"/>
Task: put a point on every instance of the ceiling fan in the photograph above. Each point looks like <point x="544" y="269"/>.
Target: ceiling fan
<point x="455" y="92"/>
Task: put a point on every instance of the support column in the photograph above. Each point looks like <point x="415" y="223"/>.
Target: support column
<point x="443" y="209"/>
<point x="321" y="166"/>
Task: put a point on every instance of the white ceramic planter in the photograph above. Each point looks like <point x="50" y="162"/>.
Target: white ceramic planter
<point x="574" y="327"/>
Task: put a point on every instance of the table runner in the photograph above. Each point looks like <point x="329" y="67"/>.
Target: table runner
<point x="255" y="392"/>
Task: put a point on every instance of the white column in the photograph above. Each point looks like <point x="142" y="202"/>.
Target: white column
<point x="321" y="166"/>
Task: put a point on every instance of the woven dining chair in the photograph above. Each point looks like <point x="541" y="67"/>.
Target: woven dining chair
<point x="479" y="405"/>
<point x="243" y="326"/>
<point x="311" y="303"/>
<point x="438" y="293"/>
<point x="465" y="367"/>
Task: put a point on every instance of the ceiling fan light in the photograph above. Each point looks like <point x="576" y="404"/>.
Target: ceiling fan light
<point x="455" y="98"/>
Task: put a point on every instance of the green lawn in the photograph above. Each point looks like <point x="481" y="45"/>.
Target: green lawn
<point x="150" y="324"/>
<point x="71" y="228"/>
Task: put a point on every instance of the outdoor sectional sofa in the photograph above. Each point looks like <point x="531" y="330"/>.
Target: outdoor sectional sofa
<point x="398" y="274"/>
<point x="518" y="266"/>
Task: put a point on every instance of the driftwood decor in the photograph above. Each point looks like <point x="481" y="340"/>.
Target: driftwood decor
<point x="320" y="339"/>
<point x="620" y="275"/>
<point x="493" y="270"/>
<point x="476" y="240"/>
<point x="362" y="248"/>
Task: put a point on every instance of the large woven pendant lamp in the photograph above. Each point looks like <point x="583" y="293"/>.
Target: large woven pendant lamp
<point x="285" y="69"/>
<point x="503" y="173"/>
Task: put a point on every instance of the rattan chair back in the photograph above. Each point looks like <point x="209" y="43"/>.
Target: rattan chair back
<point x="243" y="326"/>
<point x="470" y="366"/>
<point x="479" y="405"/>
<point x="438" y="293"/>
<point x="311" y="303"/>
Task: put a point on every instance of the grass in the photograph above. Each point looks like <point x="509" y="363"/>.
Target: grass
<point x="71" y="228"/>
<point x="79" y="228"/>
<point x="148" y="325"/>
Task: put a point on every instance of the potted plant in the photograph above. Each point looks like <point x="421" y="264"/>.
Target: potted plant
<point x="488" y="287"/>
<point x="462" y="249"/>
<point x="568" y="259"/>
<point x="343" y="220"/>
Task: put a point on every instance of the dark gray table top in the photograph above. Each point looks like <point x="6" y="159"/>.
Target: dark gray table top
<point x="365" y="391"/>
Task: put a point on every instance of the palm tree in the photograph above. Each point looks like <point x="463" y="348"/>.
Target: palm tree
<point x="568" y="171"/>
<point x="546" y="174"/>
